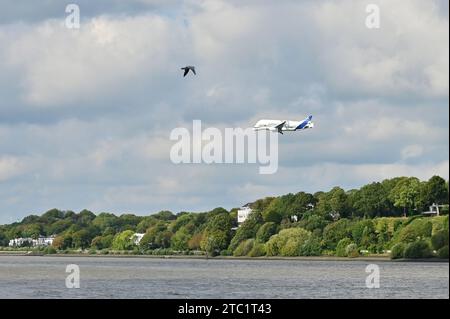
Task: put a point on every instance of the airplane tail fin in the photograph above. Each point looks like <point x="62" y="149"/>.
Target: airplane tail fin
<point x="304" y="124"/>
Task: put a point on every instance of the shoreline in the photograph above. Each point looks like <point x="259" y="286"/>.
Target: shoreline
<point x="381" y="258"/>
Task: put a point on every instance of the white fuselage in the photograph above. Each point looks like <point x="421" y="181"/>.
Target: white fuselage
<point x="271" y="125"/>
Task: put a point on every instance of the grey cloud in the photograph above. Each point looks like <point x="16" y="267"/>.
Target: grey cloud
<point x="28" y="11"/>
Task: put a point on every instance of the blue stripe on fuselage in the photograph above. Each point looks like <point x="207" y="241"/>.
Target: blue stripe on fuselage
<point x="302" y="125"/>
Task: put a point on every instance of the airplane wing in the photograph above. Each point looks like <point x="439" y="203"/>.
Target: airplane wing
<point x="280" y="126"/>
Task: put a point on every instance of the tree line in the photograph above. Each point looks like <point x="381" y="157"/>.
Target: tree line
<point x="378" y="217"/>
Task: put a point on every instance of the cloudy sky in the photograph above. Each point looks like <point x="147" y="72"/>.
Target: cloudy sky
<point x="85" y="115"/>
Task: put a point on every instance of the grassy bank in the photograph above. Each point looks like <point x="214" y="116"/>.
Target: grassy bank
<point x="118" y="254"/>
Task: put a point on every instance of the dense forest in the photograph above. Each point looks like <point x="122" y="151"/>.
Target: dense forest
<point x="377" y="218"/>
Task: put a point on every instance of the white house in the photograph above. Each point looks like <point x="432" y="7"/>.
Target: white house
<point x="243" y="214"/>
<point x="44" y="241"/>
<point x="137" y="237"/>
<point x="16" y="242"/>
<point x="40" y="241"/>
<point x="434" y="210"/>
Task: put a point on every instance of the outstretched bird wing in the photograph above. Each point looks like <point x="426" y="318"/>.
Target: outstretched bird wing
<point x="186" y="70"/>
<point x="193" y="70"/>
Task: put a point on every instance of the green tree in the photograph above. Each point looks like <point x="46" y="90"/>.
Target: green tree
<point x="437" y="190"/>
<point x="81" y="239"/>
<point x="422" y="201"/>
<point x="352" y="250"/>
<point x="32" y="230"/>
<point x="418" y="249"/>
<point x="302" y="203"/>
<point x="213" y="242"/>
<point x="335" y="202"/>
<point x="31" y="219"/>
<point x="313" y="222"/>
<point x="288" y="205"/>
<point x="287" y="242"/>
<point x="234" y="215"/>
<point x="389" y="185"/>
<point x="323" y="207"/>
<point x="221" y="221"/>
<point x="336" y="231"/>
<point x="180" y="239"/>
<point x="311" y="247"/>
<point x="217" y="211"/>
<point x="49" y="250"/>
<point x="440" y="239"/>
<point x="217" y="234"/>
<point x="416" y="229"/>
<point x="152" y="238"/>
<point x="371" y="200"/>
<point x="384" y="231"/>
<point x="244" y="247"/>
<point x="163" y="239"/>
<point x="266" y="231"/>
<point x="406" y="194"/>
<point x="258" y="250"/>
<point x="106" y="221"/>
<point x="165" y="215"/>
<point x="85" y="217"/>
<point x="443" y="252"/>
<point x="62" y="241"/>
<point x="129" y="222"/>
<point x="363" y="233"/>
<point x="339" y="202"/>
<point x="181" y="221"/>
<point x="145" y="224"/>
<point x="123" y="241"/>
<point x="59" y="226"/>
<point x="341" y="247"/>
<point x="273" y="215"/>
<point x="398" y="251"/>
<point x="147" y="241"/>
<point x="102" y="242"/>
<point x="247" y="229"/>
<point x="3" y="239"/>
<point x="51" y="216"/>
<point x="261" y="204"/>
<point x="195" y="242"/>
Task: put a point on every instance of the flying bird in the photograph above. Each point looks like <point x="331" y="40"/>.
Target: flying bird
<point x="187" y="68"/>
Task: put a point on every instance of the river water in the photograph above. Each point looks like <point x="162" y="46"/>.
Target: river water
<point x="113" y="277"/>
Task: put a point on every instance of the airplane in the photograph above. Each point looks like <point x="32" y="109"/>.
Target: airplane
<point x="280" y="126"/>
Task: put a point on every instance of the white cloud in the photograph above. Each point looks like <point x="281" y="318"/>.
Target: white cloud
<point x="65" y="66"/>
<point x="11" y="167"/>
<point x="412" y="151"/>
<point x="408" y="54"/>
<point x="422" y="171"/>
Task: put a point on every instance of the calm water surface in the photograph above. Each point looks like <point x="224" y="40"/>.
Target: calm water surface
<point x="106" y="277"/>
